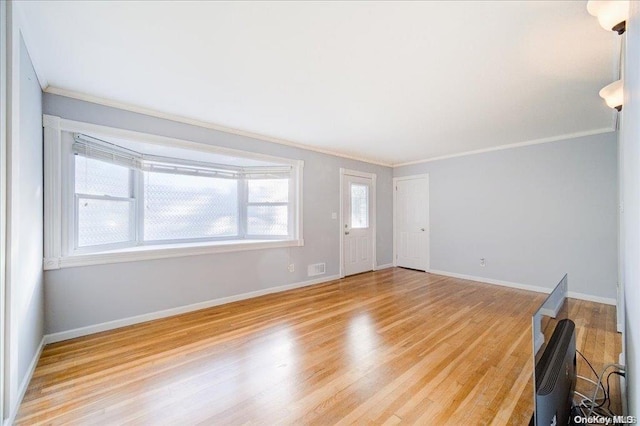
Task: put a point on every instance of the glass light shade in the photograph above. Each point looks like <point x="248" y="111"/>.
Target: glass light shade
<point x="613" y="94"/>
<point x="609" y="12"/>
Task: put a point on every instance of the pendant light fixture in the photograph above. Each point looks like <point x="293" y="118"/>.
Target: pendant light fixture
<point x="613" y="94"/>
<point x="612" y="14"/>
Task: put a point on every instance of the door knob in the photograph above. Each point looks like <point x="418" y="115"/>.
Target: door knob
<point x="346" y="232"/>
<point x="422" y="229"/>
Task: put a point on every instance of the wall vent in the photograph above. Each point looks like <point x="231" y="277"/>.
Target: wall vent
<point x="316" y="269"/>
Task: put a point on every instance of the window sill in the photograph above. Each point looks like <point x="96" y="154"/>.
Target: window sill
<point x="135" y="254"/>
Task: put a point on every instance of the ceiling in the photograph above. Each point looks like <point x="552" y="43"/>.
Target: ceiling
<point x="389" y="82"/>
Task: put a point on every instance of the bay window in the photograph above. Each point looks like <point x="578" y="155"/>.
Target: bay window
<point x="122" y="196"/>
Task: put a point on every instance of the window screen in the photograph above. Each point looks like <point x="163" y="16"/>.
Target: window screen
<point x="178" y="207"/>
<point x="103" y="203"/>
<point x="268" y="207"/>
<point x="125" y="198"/>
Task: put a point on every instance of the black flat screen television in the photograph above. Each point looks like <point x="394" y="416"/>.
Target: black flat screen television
<point x="554" y="349"/>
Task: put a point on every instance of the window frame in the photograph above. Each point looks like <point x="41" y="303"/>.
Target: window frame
<point x="61" y="203"/>
<point x="77" y="249"/>
<point x="246" y="204"/>
<point x="74" y="197"/>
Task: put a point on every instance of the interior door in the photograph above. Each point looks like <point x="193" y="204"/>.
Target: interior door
<point x="412" y="223"/>
<point x="358" y="229"/>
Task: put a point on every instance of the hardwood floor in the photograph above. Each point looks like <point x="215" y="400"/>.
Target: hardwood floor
<point x="394" y="346"/>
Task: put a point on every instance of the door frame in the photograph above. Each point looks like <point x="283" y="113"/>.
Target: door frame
<point x="347" y="172"/>
<point x="4" y="84"/>
<point x="395" y="215"/>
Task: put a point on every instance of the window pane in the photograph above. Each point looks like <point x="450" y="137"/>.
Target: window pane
<point x="96" y="177"/>
<point x="267" y="220"/>
<point x="268" y="190"/>
<point x="359" y="206"/>
<point x="103" y="222"/>
<point x="187" y="207"/>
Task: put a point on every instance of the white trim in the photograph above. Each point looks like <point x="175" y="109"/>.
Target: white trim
<point x="537" y="289"/>
<point x="422" y="175"/>
<point x="209" y="125"/>
<point x="385" y="266"/>
<point x="113" y="132"/>
<point x="110" y="325"/>
<point x="348" y="172"/>
<point x="13" y="412"/>
<point x="394" y="224"/>
<point x="509" y="146"/>
<point x="527" y="287"/>
<point x="56" y="255"/>
<point x="136" y="254"/>
<point x="357" y="173"/>
<point x="4" y="82"/>
<point x="299" y="226"/>
<point x="341" y="224"/>
<point x="12" y="248"/>
<point x="52" y="192"/>
<point x="394" y="252"/>
<point x="206" y="124"/>
<point x="374" y="219"/>
<point x="598" y="299"/>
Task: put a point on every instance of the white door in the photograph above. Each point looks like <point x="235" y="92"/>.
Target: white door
<point x="412" y="222"/>
<point x="357" y="209"/>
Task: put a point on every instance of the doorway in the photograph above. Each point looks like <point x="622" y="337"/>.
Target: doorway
<point x="357" y="222"/>
<point x="411" y="222"/>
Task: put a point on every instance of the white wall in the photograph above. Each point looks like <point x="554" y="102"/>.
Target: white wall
<point x="24" y="281"/>
<point x="28" y="275"/>
<point x="630" y="227"/>
<point x="534" y="213"/>
<point x="85" y="296"/>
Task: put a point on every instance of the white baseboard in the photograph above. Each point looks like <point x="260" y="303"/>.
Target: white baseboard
<point x="385" y="266"/>
<point x="22" y="390"/>
<point x="590" y="298"/>
<point x="110" y="325"/>
<point x="538" y="289"/>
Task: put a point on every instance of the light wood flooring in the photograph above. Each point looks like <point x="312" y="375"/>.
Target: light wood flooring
<point x="393" y="346"/>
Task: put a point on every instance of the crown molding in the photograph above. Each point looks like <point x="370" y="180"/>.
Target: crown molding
<point x="206" y="124"/>
<point x="209" y="125"/>
<point x="510" y="146"/>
